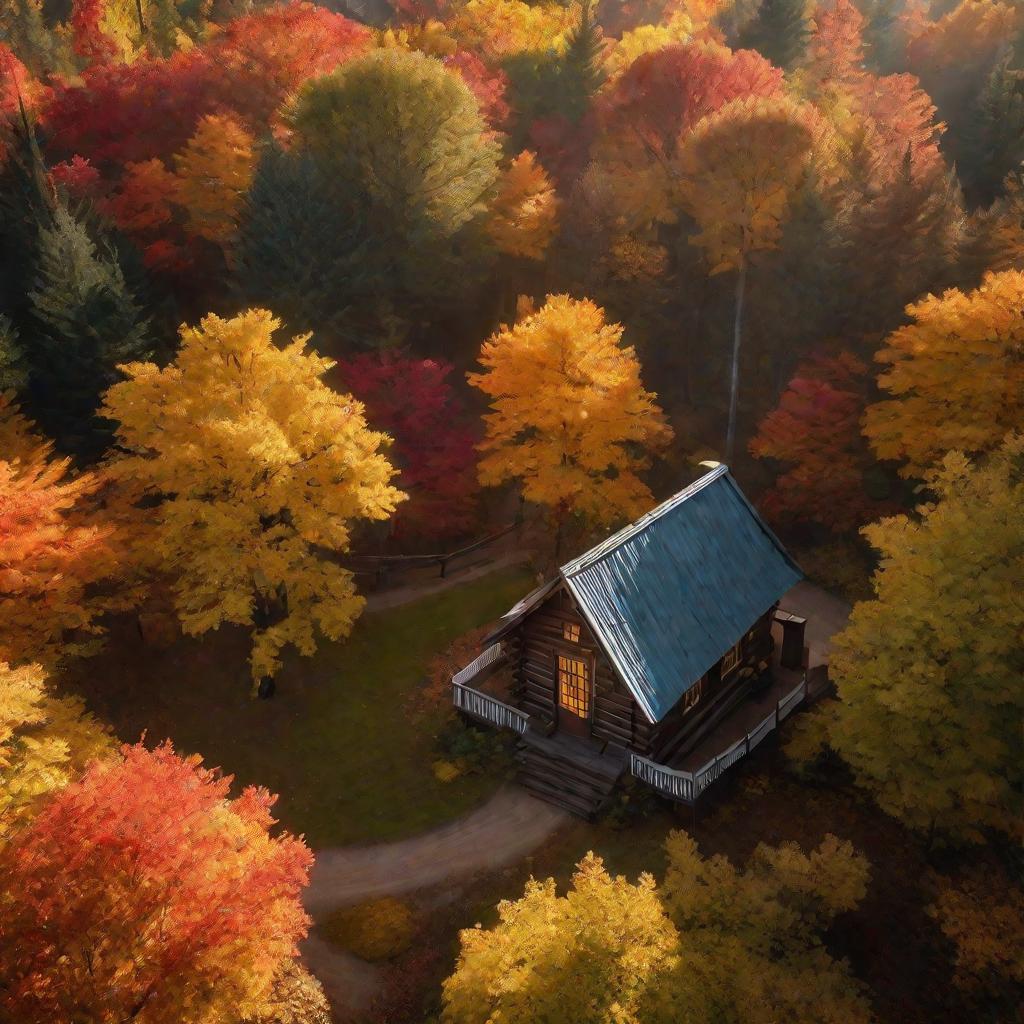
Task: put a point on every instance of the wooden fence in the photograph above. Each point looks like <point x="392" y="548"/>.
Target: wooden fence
<point x="381" y="566"/>
<point x="482" y="705"/>
<point x="687" y="786"/>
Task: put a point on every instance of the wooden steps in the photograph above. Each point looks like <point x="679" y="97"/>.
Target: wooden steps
<point x="570" y="773"/>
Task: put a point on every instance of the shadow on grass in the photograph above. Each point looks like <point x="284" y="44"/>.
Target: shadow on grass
<point x="350" y="762"/>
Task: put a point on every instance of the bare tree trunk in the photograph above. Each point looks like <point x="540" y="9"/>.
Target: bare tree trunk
<point x="734" y="385"/>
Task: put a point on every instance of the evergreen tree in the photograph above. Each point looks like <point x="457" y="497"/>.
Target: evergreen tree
<point x="87" y="323"/>
<point x="13" y="372"/>
<point x="23" y="27"/>
<point x="779" y="31"/>
<point x="296" y="253"/>
<point x="583" y="64"/>
<point x="995" y="146"/>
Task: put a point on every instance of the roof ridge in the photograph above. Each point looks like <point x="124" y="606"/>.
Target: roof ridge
<point x="616" y="540"/>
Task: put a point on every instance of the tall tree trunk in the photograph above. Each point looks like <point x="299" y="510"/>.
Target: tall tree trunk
<point x="734" y="384"/>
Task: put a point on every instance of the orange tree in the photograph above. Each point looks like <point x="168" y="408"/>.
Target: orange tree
<point x="570" y="419"/>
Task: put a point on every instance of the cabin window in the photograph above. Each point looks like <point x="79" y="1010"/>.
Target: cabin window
<point x="571" y="632"/>
<point x="693" y="695"/>
<point x="574" y="685"/>
<point x="730" y="660"/>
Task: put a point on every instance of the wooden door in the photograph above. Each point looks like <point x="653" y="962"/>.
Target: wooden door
<point x="574" y="696"/>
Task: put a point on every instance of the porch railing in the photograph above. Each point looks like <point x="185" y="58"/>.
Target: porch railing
<point x="482" y="705"/>
<point x="687" y="786"/>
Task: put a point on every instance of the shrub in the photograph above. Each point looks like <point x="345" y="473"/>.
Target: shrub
<point x="377" y="930"/>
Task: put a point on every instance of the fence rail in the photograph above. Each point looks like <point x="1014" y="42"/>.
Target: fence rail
<point x="687" y="786"/>
<point x="489" y="709"/>
<point x="482" y="661"/>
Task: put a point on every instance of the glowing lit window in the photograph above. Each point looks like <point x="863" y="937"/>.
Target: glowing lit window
<point x="730" y="660"/>
<point x="571" y="632"/>
<point x="574" y="686"/>
<point x="692" y="696"/>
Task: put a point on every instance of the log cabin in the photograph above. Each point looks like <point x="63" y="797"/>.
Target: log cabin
<point x="639" y="649"/>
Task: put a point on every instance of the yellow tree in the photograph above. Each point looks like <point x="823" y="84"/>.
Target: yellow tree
<point x="215" y="170"/>
<point x="739" y="170"/>
<point x="45" y="742"/>
<point x="524" y="213"/>
<point x="570" y="420"/>
<point x="956" y="375"/>
<point x="929" y="671"/>
<point x="711" y="944"/>
<point x="588" y="956"/>
<point x="258" y="471"/>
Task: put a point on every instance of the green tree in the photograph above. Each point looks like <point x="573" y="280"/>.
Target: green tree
<point x="582" y="65"/>
<point x="994" y="143"/>
<point x="13" y="372"/>
<point x="401" y="141"/>
<point x="87" y="323"/>
<point x="298" y="253"/>
<point x="929" y="671"/>
<point x="779" y="31"/>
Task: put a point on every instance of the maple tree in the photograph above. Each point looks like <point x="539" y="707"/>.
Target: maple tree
<point x="434" y="451"/>
<point x="144" y="892"/>
<point x="255" y="466"/>
<point x="214" y="171"/>
<point x="954" y="375"/>
<point x="620" y="929"/>
<point x="928" y="670"/>
<point x="45" y="742"/>
<point x="711" y="943"/>
<point x="524" y="212"/>
<point x="570" y="419"/>
<point x="816" y="429"/>
<point x="740" y="168"/>
<point x="53" y="553"/>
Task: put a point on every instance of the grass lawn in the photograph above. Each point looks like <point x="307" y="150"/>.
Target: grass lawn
<point x="338" y="744"/>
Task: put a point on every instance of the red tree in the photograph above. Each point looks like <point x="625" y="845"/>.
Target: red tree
<point x="412" y="401"/>
<point x="816" y="428"/>
<point x="267" y="55"/>
<point x="142" y="892"/>
<point x="665" y="93"/>
<point x="836" y="50"/>
<point x="487" y="85"/>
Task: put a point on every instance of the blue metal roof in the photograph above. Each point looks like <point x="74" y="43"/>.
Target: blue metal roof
<point x="670" y="594"/>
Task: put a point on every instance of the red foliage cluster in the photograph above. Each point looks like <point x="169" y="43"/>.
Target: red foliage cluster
<point x="816" y="428"/>
<point x="265" y="56"/>
<point x="665" y="93"/>
<point x="144" y="884"/>
<point x="487" y="85"/>
<point x="412" y="401"/>
<point x="88" y="39"/>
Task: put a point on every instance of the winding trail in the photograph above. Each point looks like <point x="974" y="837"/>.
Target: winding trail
<point x="501" y="832"/>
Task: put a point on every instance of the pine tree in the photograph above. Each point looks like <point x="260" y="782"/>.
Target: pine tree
<point x="296" y="252"/>
<point x="13" y="371"/>
<point x="779" y="31"/>
<point x="23" y="27"/>
<point x="995" y="146"/>
<point x="87" y="323"/>
<point x="583" y="64"/>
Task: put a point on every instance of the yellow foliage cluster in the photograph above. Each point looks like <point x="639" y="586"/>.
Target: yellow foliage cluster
<point x="986" y="924"/>
<point x="929" y="671"/>
<point x="739" y="169"/>
<point x="45" y="741"/>
<point x="570" y="418"/>
<point x="712" y="943"/>
<point x="956" y="375"/>
<point x="524" y="214"/>
<point x="496" y="29"/>
<point x="215" y="170"/>
<point x="679" y="28"/>
<point x="256" y="467"/>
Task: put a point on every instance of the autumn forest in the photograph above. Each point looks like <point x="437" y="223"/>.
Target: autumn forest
<point x="329" y="330"/>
